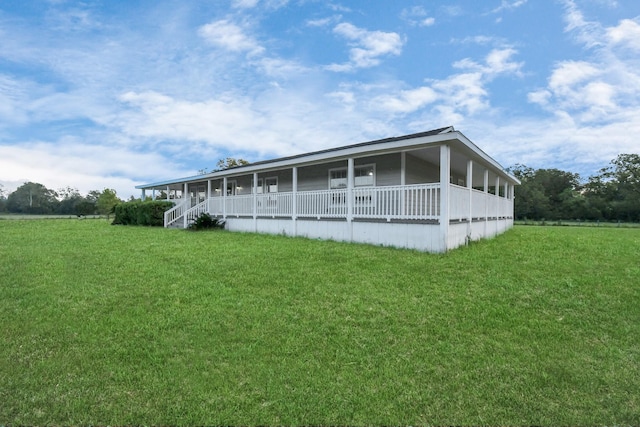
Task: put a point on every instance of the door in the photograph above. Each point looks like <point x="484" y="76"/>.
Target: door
<point x="232" y="188"/>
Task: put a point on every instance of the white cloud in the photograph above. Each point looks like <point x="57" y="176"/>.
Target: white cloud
<point x="417" y="16"/>
<point x="627" y="33"/>
<point x="244" y="4"/>
<point x="509" y="5"/>
<point x="323" y="22"/>
<point x="229" y="36"/>
<point x="602" y="87"/>
<point x="591" y="34"/>
<point x="272" y="123"/>
<point x="496" y="62"/>
<point x="407" y="100"/>
<point x="367" y="46"/>
<point x="73" y="162"/>
<point x="13" y="95"/>
<point x="456" y="96"/>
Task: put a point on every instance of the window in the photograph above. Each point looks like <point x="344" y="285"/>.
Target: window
<point x="364" y="176"/>
<point x="271" y="184"/>
<point x="338" y="178"/>
<point x="259" y="187"/>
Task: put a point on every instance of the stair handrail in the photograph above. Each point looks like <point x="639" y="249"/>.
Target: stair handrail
<point x="175" y="213"/>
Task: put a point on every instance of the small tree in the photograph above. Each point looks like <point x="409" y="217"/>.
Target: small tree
<point x="230" y="162"/>
<point x="107" y="201"/>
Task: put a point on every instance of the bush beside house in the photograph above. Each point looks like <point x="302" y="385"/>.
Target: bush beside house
<point x="150" y="213"/>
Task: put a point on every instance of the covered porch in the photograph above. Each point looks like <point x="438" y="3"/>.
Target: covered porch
<point x="426" y="196"/>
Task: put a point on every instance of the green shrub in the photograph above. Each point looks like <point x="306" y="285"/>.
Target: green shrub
<point x="150" y="213"/>
<point x="206" y="222"/>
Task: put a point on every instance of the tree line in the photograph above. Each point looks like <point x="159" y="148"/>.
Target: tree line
<point x="35" y="198"/>
<point x="613" y="194"/>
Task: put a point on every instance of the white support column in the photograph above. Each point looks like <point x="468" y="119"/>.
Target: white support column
<point x="470" y="188"/>
<point x="254" y="190"/>
<point x="294" y="190"/>
<point x="445" y="173"/>
<point x="486" y="202"/>
<point x="142" y="196"/>
<point x="186" y="199"/>
<point x="294" y="202"/>
<point x="403" y="168"/>
<point x="168" y="193"/>
<point x="224" y="198"/>
<point x="350" y="184"/>
<point x="503" y="203"/>
<point x="497" y="198"/>
<point x="153" y="194"/>
<point x="209" y="195"/>
<point x="403" y="181"/>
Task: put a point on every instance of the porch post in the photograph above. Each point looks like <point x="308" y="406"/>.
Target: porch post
<point x="208" y="197"/>
<point x="224" y="198"/>
<point x="505" y="212"/>
<point x="142" y="196"/>
<point x="254" y="190"/>
<point x="470" y="187"/>
<point x="350" y="181"/>
<point x="403" y="181"/>
<point x="153" y="194"/>
<point x="486" y="201"/>
<point x="185" y="194"/>
<point x="497" y="199"/>
<point x="445" y="173"/>
<point x="294" y="202"/>
<point x="168" y="198"/>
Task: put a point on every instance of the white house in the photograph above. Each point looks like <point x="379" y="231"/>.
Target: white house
<point x="430" y="191"/>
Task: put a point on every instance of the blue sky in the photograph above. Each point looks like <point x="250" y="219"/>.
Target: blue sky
<point x="112" y="94"/>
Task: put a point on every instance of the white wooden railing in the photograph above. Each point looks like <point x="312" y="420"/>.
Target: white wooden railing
<point x="420" y="201"/>
<point x="409" y="202"/>
<point x="322" y="204"/>
<point x="478" y="204"/>
<point x="177" y="212"/>
<point x="274" y="204"/>
<point x="193" y="213"/>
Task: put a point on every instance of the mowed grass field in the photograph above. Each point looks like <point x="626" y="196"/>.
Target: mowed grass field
<point x="115" y="325"/>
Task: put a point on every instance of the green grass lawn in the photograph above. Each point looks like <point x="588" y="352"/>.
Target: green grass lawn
<point x="120" y="325"/>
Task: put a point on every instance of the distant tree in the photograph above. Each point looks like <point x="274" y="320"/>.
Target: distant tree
<point x="32" y="198"/>
<point x="68" y="199"/>
<point x="93" y="195"/>
<point x="546" y="194"/>
<point x="3" y="199"/>
<point x="230" y="162"/>
<point x="106" y="202"/>
<point x="615" y="191"/>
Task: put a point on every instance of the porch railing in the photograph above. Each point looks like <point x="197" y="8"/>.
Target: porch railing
<point x="193" y="213"/>
<point x="409" y="202"/>
<point x="177" y="212"/>
<point x="421" y="201"/>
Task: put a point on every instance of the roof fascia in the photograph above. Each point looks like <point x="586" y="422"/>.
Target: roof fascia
<point x="478" y="151"/>
<point x="317" y="158"/>
<point x="398" y="145"/>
